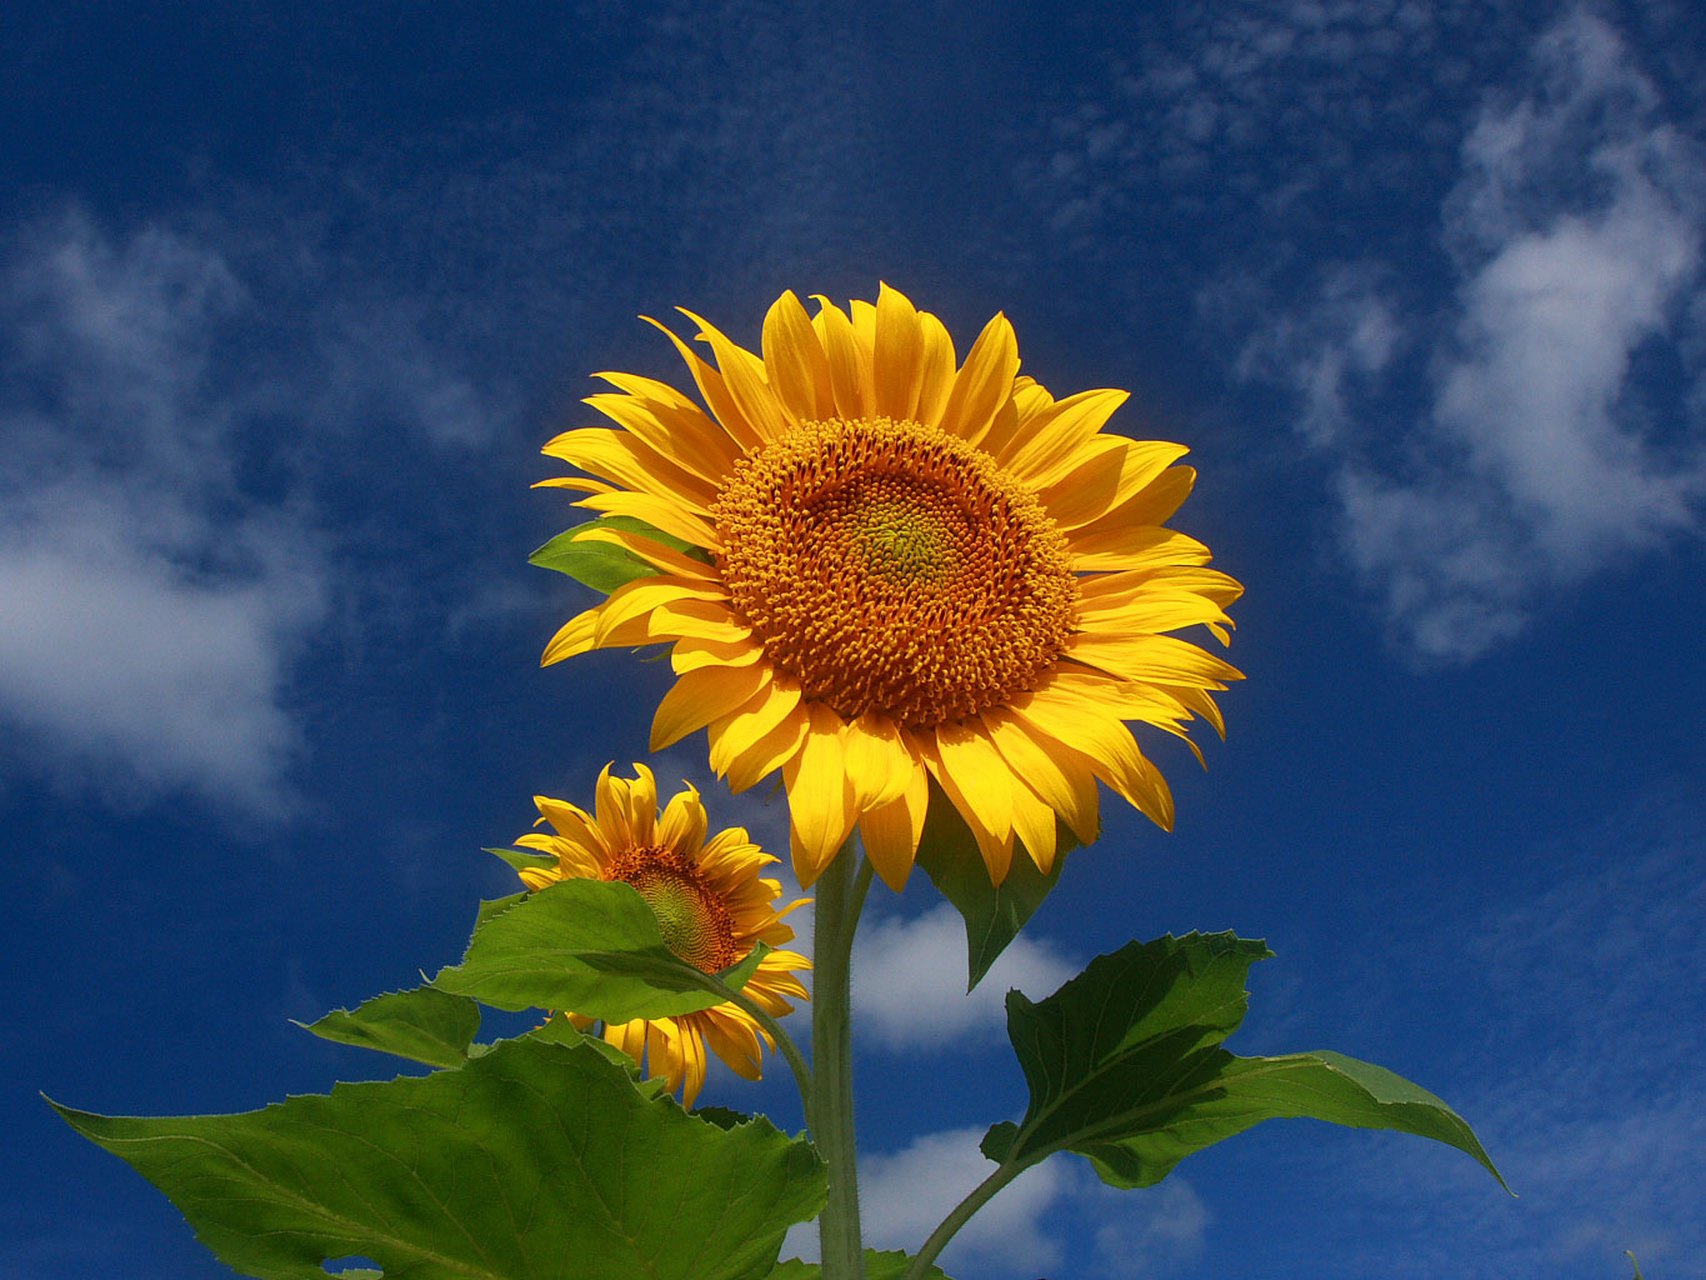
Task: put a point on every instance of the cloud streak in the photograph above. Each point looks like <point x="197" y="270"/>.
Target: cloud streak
<point x="1545" y="456"/>
<point x="150" y="614"/>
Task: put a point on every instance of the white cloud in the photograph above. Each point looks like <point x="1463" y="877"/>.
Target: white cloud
<point x="1056" y="1215"/>
<point x="1535" y="391"/>
<point x="1141" y="1233"/>
<point x="909" y="981"/>
<point x="904" y="1195"/>
<point x="124" y="661"/>
<point x="149" y="613"/>
<point x="1575" y="229"/>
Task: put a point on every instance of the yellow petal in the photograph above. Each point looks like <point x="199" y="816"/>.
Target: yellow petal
<point x="878" y="764"/>
<point x="995" y="844"/>
<point x="1062" y="433"/>
<point x="1034" y="825"/>
<point x="611" y="809"/>
<point x="1061" y="779"/>
<point x="661" y="513"/>
<point x="702" y="696"/>
<point x="732" y="1036"/>
<point x="1158" y="609"/>
<point x="687" y="1058"/>
<point x="695" y="620"/>
<point x="849" y="360"/>
<point x="819" y="796"/>
<point x="642" y="802"/>
<point x="799" y="369"/>
<point x="738" y="732"/>
<point x="771" y="752"/>
<point x="1115" y="472"/>
<point x="716" y="392"/>
<point x="890" y="832"/>
<point x="691" y="653"/>
<point x="936" y="370"/>
<point x="978" y="773"/>
<point x="629" y="1037"/>
<point x="1118" y="548"/>
<point x="1154" y="504"/>
<point x="897" y="355"/>
<point x="864" y="317"/>
<point x="632" y="599"/>
<point x="580" y="484"/>
<point x="684" y="434"/>
<point x="632" y="463"/>
<point x="743" y="375"/>
<point x="654" y="553"/>
<point x="1162" y="659"/>
<point x="576" y="636"/>
<point x="985" y="382"/>
<point x="1107" y="744"/>
<point x="684" y="822"/>
<point x="574" y="825"/>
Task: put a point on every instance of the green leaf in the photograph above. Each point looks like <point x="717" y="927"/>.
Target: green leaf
<point x="889" y="1264"/>
<point x="523" y="859"/>
<point x="422" y="1025"/>
<point x="537" y="1161"/>
<point x="604" y="566"/>
<point x="947" y="851"/>
<point x="1125" y="1068"/>
<point x="496" y="907"/>
<point x="592" y="946"/>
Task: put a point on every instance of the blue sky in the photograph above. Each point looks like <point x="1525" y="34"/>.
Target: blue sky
<point x="289" y="301"/>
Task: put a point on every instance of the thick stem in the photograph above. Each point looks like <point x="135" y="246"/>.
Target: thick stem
<point x="839" y="897"/>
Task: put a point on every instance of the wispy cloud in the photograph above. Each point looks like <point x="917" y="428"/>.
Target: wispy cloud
<point x="909" y="981"/>
<point x="1577" y="999"/>
<point x="1232" y="127"/>
<point x="149" y="615"/>
<point x="1549" y="453"/>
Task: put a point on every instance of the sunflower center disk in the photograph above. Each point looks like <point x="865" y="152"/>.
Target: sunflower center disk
<point x="889" y="566"/>
<point x="695" y="924"/>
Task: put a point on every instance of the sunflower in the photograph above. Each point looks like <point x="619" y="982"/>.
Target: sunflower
<point x="909" y="569"/>
<point x="711" y="906"/>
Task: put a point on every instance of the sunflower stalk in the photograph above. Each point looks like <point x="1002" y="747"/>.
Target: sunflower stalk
<point x="840" y="897"/>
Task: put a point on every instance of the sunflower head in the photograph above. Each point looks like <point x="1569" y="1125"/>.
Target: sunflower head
<point x="901" y="568"/>
<point x="711" y="904"/>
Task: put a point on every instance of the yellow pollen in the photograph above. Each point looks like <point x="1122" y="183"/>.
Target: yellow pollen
<point x="890" y="566"/>
<point x="695" y="924"/>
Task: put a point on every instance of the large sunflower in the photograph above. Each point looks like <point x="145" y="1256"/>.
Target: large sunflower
<point x="915" y="569"/>
<point x="711" y="905"/>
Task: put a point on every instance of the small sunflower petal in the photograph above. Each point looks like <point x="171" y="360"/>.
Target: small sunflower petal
<point x="984" y="383"/>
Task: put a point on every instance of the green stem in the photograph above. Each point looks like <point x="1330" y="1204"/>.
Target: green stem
<point x="840" y="896"/>
<point x="981" y="1195"/>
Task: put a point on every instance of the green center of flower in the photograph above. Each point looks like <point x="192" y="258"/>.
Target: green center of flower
<point x="889" y="566"/>
<point x="901" y="539"/>
<point x="695" y="924"/>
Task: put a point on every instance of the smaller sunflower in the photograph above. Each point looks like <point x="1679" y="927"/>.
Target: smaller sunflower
<point x="711" y="905"/>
